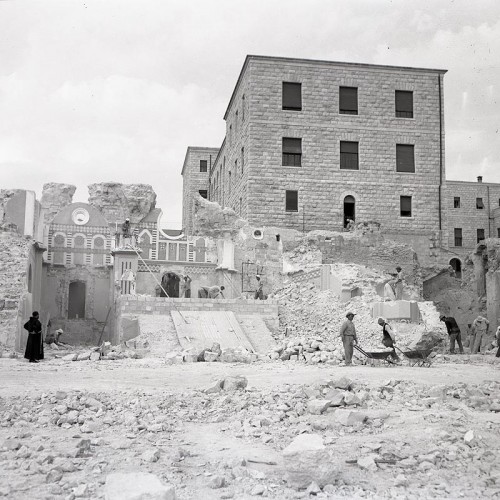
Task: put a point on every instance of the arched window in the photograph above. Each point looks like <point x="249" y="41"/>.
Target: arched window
<point x="79" y="250"/>
<point x="98" y="251"/>
<point x="30" y="279"/>
<point x="349" y="210"/>
<point x="199" y="250"/>
<point x="59" y="245"/>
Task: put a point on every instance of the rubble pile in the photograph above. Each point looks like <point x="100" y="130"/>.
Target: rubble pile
<point x="310" y="319"/>
<point x="368" y="439"/>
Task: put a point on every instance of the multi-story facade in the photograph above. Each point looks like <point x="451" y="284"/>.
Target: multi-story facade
<point x="195" y="176"/>
<point x="312" y="144"/>
<point x="472" y="214"/>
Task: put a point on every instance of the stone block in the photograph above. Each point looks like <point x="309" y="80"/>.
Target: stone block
<point x="137" y="486"/>
<point x="349" y="418"/>
<point x="306" y="460"/>
<point x="317" y="406"/>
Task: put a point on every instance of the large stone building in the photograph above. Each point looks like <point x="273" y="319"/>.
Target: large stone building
<point x="311" y="144"/>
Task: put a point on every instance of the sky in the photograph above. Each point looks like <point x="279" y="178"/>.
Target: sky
<point x="104" y="90"/>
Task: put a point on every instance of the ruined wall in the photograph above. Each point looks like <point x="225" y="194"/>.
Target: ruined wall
<point x="368" y="249"/>
<point x="55" y="196"/>
<point x="118" y="201"/>
<point x="14" y="255"/>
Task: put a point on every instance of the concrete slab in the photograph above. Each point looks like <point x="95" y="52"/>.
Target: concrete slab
<point x="200" y="329"/>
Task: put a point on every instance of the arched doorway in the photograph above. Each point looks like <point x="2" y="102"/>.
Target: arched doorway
<point x="76" y="300"/>
<point x="170" y="283"/>
<point x="349" y="209"/>
<point x="457" y="267"/>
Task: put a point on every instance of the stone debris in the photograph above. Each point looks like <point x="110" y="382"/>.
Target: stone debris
<point x="394" y="436"/>
<point x="137" y="486"/>
<point x="307" y="460"/>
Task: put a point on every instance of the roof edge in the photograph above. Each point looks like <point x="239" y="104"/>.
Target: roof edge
<point x="321" y="61"/>
<point x="194" y="148"/>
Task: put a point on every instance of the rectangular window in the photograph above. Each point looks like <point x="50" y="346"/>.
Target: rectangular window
<point x="292" y="201"/>
<point x="456" y="202"/>
<point x="480" y="235"/>
<point x="349" y="155"/>
<point x="292" y="152"/>
<point x="405" y="158"/>
<point x="479" y="204"/>
<point x="404" y="104"/>
<point x="292" y="96"/>
<point x="458" y="236"/>
<point x="203" y="165"/>
<point x="203" y="193"/>
<point x="405" y="204"/>
<point x="348" y="100"/>
<point x="498" y="232"/>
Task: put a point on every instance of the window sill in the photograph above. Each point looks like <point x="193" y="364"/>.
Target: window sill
<point x="291" y="211"/>
<point x="291" y="109"/>
<point x="348" y="114"/>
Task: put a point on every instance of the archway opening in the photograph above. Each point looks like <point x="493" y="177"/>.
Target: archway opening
<point x="349" y="210"/>
<point x="457" y="267"/>
<point x="170" y="283"/>
<point x="76" y="300"/>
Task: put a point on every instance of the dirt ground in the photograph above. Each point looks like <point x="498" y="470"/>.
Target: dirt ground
<point x="64" y="426"/>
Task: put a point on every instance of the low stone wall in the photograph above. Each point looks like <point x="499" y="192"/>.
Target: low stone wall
<point x="142" y="304"/>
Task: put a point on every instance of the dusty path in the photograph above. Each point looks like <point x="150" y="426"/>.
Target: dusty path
<point x="152" y="374"/>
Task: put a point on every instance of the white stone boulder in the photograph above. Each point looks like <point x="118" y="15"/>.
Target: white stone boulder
<point x="137" y="486"/>
<point x="306" y="460"/>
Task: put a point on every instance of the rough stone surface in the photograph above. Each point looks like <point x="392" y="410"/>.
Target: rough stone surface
<point x="306" y="460"/>
<point x="56" y="196"/>
<point x="137" y="486"/>
<point x="118" y="201"/>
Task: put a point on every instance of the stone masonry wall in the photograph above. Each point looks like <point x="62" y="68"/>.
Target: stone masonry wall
<point x="140" y="304"/>
<point x="322" y="186"/>
<point x="230" y="175"/>
<point x="194" y="181"/>
<point x="468" y="217"/>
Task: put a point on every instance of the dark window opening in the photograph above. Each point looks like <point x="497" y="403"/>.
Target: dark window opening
<point x="349" y="158"/>
<point x="292" y="96"/>
<point x="458" y="236"/>
<point x="456" y="202"/>
<point x="348" y="100"/>
<point x="405" y="203"/>
<point x="349" y="210"/>
<point x="480" y="235"/>
<point x="292" y="152"/>
<point x="404" y="104"/>
<point x="203" y="193"/>
<point x="203" y="165"/>
<point x="479" y="203"/>
<point x="76" y="300"/>
<point x="498" y="232"/>
<point x="292" y="201"/>
<point x="405" y="158"/>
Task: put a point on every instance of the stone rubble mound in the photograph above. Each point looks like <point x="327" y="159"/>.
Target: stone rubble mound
<point x="339" y="438"/>
<point x="310" y="319"/>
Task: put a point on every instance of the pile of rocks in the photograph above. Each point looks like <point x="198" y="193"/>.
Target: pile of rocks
<point x="311" y="351"/>
<point x="214" y="353"/>
<point x="104" y="352"/>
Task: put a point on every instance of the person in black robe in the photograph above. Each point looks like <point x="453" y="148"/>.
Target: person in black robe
<point x="34" y="345"/>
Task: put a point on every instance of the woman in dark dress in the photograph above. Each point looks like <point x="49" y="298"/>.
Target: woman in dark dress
<point x="34" y="345"/>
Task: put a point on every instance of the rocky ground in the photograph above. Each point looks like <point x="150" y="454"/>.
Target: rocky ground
<point x="367" y="432"/>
